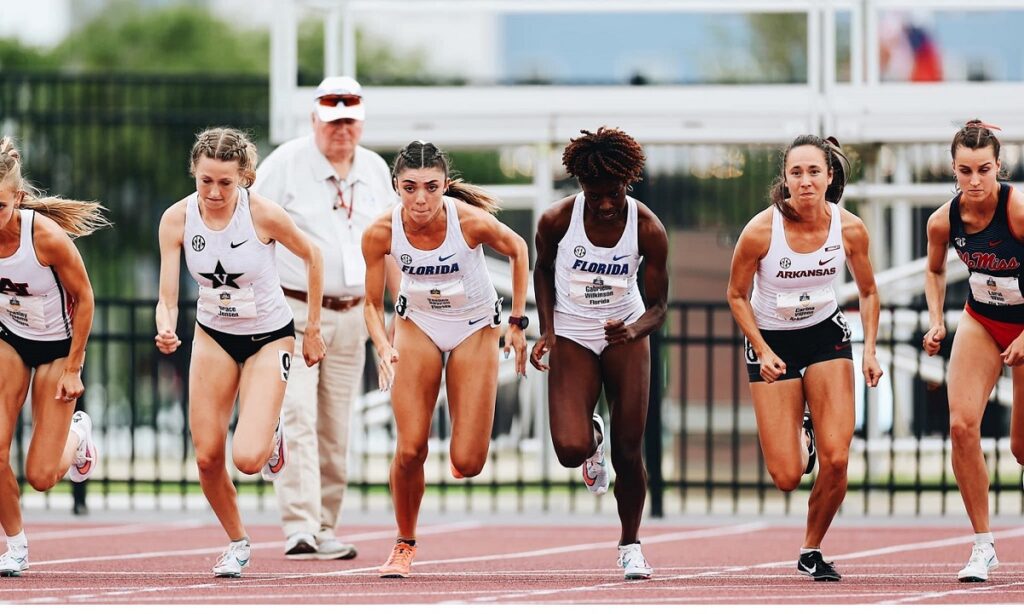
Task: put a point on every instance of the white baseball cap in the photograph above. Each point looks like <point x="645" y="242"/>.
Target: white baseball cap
<point x="339" y="98"/>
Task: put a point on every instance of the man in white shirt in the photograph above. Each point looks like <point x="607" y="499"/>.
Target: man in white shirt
<point x="333" y="189"/>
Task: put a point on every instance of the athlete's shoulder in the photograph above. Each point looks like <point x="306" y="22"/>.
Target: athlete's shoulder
<point x="556" y="218"/>
<point x="647" y="221"/>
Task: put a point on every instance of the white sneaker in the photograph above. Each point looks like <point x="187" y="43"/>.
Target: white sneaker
<point x="983" y="559"/>
<point x="14" y="561"/>
<point x="334" y="550"/>
<point x="300" y="547"/>
<point x="275" y="464"/>
<point x="595" y="469"/>
<point x="234" y="560"/>
<point x="633" y="563"/>
<point x="86" y="456"/>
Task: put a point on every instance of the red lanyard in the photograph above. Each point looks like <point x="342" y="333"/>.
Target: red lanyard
<point x="340" y="204"/>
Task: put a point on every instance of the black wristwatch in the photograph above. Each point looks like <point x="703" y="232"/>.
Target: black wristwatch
<point x="521" y="321"/>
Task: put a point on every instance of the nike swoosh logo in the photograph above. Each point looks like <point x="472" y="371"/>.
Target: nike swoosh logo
<point x="443" y="258"/>
<point x="261" y="338"/>
<point x="824" y="262"/>
<point x="994" y="243"/>
<point x="588" y="479"/>
<point x="234" y="245"/>
<point x="472" y="322"/>
<point x="617" y="258"/>
<point x="811" y="569"/>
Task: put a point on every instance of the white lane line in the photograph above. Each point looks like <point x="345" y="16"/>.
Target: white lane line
<point x="114" y="530"/>
<point x="429" y="530"/>
<point x="257" y="546"/>
<point x="990" y="589"/>
<point x="909" y="547"/>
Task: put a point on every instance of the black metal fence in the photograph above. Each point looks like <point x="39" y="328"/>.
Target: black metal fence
<point x="701" y="449"/>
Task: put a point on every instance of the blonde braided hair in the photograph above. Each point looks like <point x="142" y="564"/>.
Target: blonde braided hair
<point x="226" y="144"/>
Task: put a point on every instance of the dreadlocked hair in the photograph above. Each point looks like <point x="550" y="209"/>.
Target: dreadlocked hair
<point x="606" y="154"/>
<point x="421" y="154"/>
<point x="836" y="160"/>
<point x="226" y="144"/>
<point x="77" y="218"/>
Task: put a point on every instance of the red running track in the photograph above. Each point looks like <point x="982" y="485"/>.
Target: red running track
<point x="475" y="562"/>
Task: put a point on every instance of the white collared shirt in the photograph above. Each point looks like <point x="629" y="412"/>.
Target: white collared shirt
<point x="299" y="178"/>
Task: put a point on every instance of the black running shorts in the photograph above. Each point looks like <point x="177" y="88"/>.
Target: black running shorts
<point x="241" y="347"/>
<point x="800" y="348"/>
<point x="35" y="353"/>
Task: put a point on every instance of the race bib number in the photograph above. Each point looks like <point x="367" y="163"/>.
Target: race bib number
<point x="995" y="290"/>
<point x="235" y="303"/>
<point x="24" y="310"/>
<point x="435" y="296"/>
<point x="590" y="290"/>
<point x="798" y="306"/>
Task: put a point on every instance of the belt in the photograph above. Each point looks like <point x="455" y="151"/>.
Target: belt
<point x="336" y="303"/>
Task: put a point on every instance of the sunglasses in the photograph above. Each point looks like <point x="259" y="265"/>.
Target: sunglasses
<point x="344" y="100"/>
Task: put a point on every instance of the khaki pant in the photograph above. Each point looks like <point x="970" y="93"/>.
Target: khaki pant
<point x="317" y="409"/>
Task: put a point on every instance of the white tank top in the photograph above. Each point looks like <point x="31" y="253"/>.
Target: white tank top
<point x="33" y="303"/>
<point x="794" y="290"/>
<point x="451" y="281"/>
<point x="598" y="282"/>
<point x="239" y="289"/>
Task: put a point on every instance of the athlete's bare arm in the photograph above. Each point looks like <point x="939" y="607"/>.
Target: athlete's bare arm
<point x="935" y="278"/>
<point x="172" y="232"/>
<point x="55" y="248"/>
<point x="551" y="227"/>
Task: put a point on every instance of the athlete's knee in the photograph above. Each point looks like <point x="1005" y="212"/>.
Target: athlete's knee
<point x="786" y="480"/>
<point x="411" y="454"/>
<point x="572" y="454"/>
<point x="963" y="431"/>
<point x="41" y="478"/>
<point x="1017" y="449"/>
<point x="210" y="462"/>
<point x="248" y="462"/>
<point x="469" y="466"/>
<point x="627" y="457"/>
<point x="833" y="463"/>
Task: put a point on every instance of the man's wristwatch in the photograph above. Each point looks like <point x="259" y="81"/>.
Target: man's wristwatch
<point x="519" y="321"/>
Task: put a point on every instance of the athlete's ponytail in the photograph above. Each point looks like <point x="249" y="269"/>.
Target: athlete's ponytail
<point x="78" y="218"/>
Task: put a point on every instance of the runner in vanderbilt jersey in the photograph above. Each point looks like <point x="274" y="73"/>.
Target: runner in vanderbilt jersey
<point x="244" y="333"/>
<point x="46" y="309"/>
<point x="798" y="343"/>
<point x="446" y="291"/>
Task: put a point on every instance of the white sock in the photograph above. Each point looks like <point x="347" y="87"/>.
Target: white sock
<point x="807" y="550"/>
<point x="984" y="538"/>
<point x="18" y="540"/>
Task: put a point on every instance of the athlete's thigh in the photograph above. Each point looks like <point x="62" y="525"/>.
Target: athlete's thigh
<point x="417" y="381"/>
<point x="574" y="385"/>
<point x="828" y="388"/>
<point x="213" y="385"/>
<point x="626" y="371"/>
<point x="13" y="391"/>
<point x="472" y="384"/>
<point x="51" y="417"/>
<point x="974" y="368"/>
<point x="779" y="410"/>
<point x="261" y="392"/>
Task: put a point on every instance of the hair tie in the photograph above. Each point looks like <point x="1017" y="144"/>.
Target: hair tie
<point x="981" y="124"/>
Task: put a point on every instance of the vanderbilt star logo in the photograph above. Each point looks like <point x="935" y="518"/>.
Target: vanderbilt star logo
<point x="221" y="278"/>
